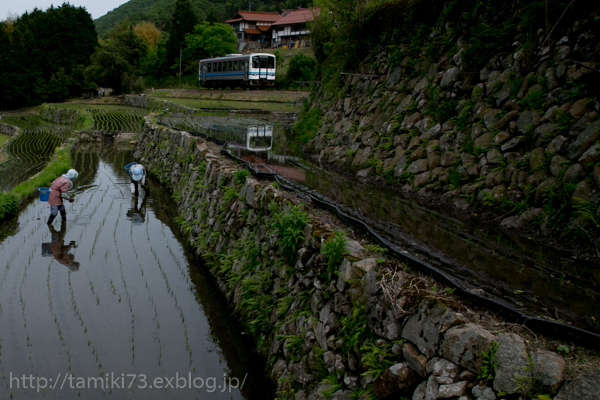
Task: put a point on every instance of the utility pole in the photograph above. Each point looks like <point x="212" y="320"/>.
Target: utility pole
<point x="180" y="67"/>
<point x="250" y="6"/>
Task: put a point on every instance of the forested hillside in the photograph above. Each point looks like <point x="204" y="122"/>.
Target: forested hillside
<point x="160" y="11"/>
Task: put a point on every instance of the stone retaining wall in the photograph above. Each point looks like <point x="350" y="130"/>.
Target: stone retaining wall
<point x="517" y="137"/>
<point x="59" y="115"/>
<point x="327" y="328"/>
<point x="155" y="104"/>
<point x="9" y="130"/>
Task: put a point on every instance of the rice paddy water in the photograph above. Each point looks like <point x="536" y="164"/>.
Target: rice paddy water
<point x="109" y="305"/>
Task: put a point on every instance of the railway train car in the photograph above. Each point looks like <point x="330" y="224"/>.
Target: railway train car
<point x="238" y="70"/>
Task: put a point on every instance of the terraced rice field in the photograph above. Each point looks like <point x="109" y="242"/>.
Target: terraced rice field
<point x="31" y="149"/>
<point x="118" y="120"/>
<point x="108" y="304"/>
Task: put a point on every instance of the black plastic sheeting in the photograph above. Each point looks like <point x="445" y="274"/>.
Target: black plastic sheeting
<point x="542" y="326"/>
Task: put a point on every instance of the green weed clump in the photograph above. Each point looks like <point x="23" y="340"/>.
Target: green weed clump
<point x="334" y="250"/>
<point x="8" y="204"/>
<point x="289" y="226"/>
<point x="376" y="359"/>
<point x="240" y="176"/>
<point x="490" y="363"/>
<point x="355" y="329"/>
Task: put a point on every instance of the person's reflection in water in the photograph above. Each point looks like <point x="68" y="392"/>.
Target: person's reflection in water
<point x="59" y="250"/>
<point x="137" y="213"/>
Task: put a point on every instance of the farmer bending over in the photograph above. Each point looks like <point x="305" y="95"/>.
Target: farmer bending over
<point x="58" y="192"/>
<point x="137" y="172"/>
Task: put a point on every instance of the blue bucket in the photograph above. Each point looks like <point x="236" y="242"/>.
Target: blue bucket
<point x="44" y="193"/>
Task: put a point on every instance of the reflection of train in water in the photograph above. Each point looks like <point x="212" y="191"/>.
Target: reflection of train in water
<point x="252" y="138"/>
<point x="259" y="138"/>
<point x="244" y="70"/>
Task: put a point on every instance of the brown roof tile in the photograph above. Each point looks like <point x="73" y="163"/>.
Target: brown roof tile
<point x="252" y="31"/>
<point x="259" y="16"/>
<point x="300" y="15"/>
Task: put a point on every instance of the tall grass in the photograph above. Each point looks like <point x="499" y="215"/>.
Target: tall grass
<point x="58" y="166"/>
<point x="8" y="204"/>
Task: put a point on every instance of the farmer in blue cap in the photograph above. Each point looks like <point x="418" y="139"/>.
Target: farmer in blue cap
<point x="58" y="192"/>
<point x="137" y="172"/>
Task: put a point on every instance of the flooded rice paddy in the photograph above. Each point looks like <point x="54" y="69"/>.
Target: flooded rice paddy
<point x="31" y="149"/>
<point x="109" y="305"/>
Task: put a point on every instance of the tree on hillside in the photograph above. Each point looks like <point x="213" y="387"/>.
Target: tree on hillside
<point x="149" y="32"/>
<point x="208" y="40"/>
<point x="117" y="63"/>
<point x="184" y="20"/>
<point x="6" y="86"/>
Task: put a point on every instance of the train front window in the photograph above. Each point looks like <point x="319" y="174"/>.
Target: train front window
<point x="263" y="62"/>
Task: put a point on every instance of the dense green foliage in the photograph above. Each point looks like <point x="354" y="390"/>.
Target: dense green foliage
<point x="160" y="11"/>
<point x="117" y="62"/>
<point x="184" y="20"/>
<point x="29" y="72"/>
<point x="300" y="68"/>
<point x="208" y="40"/>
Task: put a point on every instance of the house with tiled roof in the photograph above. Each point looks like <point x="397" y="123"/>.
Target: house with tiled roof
<point x="292" y="29"/>
<point x="253" y="28"/>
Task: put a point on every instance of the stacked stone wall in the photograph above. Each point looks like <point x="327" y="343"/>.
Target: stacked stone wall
<point x="59" y="115"/>
<point x="155" y="104"/>
<point x="359" y="328"/>
<point x="518" y="136"/>
<point x="9" y="130"/>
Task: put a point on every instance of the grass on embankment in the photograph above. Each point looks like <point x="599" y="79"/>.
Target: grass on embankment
<point x="3" y="139"/>
<point x="61" y="162"/>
